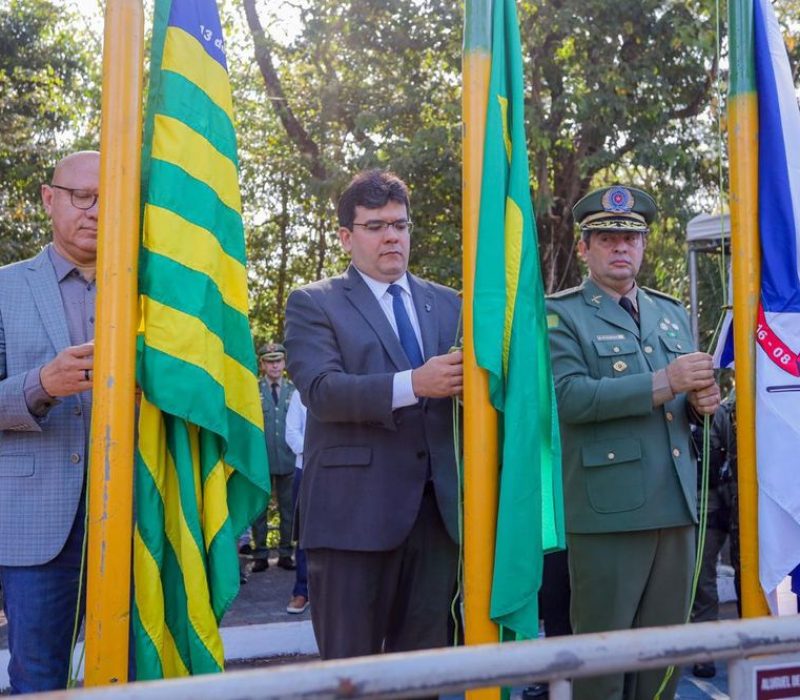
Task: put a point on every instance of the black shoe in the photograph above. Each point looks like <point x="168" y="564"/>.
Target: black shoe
<point x="286" y="563"/>
<point x="260" y="565"/>
<point x="704" y="670"/>
<point x="537" y="691"/>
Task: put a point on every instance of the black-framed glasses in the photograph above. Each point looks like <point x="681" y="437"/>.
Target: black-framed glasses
<point x="378" y="226"/>
<point x="81" y="199"/>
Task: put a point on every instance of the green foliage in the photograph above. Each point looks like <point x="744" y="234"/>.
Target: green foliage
<point x="48" y="97"/>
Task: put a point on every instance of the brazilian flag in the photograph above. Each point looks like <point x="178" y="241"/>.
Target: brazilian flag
<point x="201" y="464"/>
<point x="511" y="343"/>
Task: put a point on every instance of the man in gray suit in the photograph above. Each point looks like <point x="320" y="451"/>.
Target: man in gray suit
<point x="46" y="353"/>
<point x="369" y="352"/>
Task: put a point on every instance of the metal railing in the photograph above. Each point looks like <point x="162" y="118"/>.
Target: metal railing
<point x="452" y="670"/>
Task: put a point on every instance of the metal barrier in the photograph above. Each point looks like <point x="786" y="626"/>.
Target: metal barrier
<point x="425" y="673"/>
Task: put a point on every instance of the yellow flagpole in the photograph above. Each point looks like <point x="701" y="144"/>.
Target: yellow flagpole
<point x="112" y="435"/>
<point x="480" y="419"/>
<point x="746" y="259"/>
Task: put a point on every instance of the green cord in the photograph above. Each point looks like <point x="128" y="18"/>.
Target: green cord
<point x="458" y="344"/>
<point x="73" y="673"/>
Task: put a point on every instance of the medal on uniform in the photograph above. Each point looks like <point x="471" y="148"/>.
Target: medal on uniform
<point x="620" y="366"/>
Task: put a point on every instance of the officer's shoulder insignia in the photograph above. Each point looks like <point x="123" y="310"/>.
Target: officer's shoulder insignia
<point x="552" y="320"/>
<point x="662" y="295"/>
<point x="565" y="293"/>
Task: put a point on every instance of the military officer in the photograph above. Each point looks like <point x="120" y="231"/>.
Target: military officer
<point x="276" y="392"/>
<point x="628" y="382"/>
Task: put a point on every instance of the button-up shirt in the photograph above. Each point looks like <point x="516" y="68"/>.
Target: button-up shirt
<point x="78" y="299"/>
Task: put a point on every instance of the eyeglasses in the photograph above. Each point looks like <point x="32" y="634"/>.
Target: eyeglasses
<point x="378" y="226"/>
<point x="81" y="199"/>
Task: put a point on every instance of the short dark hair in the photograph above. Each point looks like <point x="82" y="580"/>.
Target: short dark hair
<point x="372" y="189"/>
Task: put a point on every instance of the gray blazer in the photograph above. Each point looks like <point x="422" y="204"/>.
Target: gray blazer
<point x="365" y="465"/>
<point x="42" y="461"/>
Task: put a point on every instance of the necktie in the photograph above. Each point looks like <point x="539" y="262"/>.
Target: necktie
<point x="275" y="394"/>
<point x="627" y="304"/>
<point x="405" y="330"/>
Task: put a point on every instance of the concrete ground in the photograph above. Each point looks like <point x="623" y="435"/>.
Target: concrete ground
<point x="257" y="630"/>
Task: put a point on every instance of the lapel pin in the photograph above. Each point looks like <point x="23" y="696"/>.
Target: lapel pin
<point x="427" y="307"/>
<point x="596" y="299"/>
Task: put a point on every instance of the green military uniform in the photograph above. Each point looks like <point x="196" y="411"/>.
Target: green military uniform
<point x="281" y="466"/>
<point x="629" y="468"/>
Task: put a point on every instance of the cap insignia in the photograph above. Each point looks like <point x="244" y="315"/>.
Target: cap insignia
<point x="618" y="200"/>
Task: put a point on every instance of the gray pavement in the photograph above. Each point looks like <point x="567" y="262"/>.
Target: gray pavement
<point x="263" y="599"/>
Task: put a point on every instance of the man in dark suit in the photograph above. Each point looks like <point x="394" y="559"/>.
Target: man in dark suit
<point x="46" y="356"/>
<point x="369" y="352"/>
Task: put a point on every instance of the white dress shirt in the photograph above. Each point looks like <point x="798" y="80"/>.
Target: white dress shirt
<point x="402" y="390"/>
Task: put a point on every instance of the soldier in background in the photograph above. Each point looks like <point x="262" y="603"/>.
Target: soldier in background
<point x="276" y="392"/>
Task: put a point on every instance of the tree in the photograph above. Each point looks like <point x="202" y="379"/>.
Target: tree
<point x="48" y="98"/>
<point x="614" y="90"/>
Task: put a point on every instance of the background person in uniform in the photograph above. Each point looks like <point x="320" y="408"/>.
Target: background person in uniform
<point x="276" y="391"/>
<point x="369" y="352"/>
<point x="46" y="353"/>
<point x="627" y="383"/>
<point x="295" y="436"/>
<point x="722" y="522"/>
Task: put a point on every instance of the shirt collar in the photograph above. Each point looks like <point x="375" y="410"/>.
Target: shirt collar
<point x="61" y="265"/>
<point x="379" y="288"/>
<point x="616" y="296"/>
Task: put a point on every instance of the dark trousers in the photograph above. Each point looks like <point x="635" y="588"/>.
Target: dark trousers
<point x="301" y="572"/>
<point x="554" y="595"/>
<point x="398" y="600"/>
<point x="282" y="492"/>
<point x="40" y="603"/>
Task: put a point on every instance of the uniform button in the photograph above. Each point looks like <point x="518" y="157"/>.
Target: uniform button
<point x="679" y="346"/>
<point x="669" y="416"/>
<point x="77" y="410"/>
<point x="616" y="348"/>
<point x="648" y="349"/>
<point x="74" y="458"/>
<point x="611" y="455"/>
<point x="676" y="452"/>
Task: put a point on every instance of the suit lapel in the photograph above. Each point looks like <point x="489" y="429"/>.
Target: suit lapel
<point x="427" y="316"/>
<point x="607" y="308"/>
<point x="361" y="296"/>
<point x="44" y="289"/>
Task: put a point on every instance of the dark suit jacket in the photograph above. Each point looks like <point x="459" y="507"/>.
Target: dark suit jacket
<point x="365" y="465"/>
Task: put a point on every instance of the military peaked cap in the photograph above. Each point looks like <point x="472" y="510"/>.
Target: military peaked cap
<point x="615" y="208"/>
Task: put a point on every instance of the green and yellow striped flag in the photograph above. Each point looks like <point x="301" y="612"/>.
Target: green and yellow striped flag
<point x="201" y="464"/>
<point x="511" y="344"/>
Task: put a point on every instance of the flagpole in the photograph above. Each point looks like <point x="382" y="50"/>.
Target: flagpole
<point x="480" y="419"/>
<point x="745" y="254"/>
<point x="110" y="478"/>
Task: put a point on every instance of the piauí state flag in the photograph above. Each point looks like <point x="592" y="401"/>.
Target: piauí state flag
<point x="201" y="464"/>
<point x="511" y="343"/>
